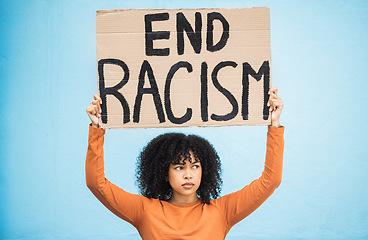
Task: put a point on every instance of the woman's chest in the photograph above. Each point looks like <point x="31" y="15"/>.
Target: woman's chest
<point x="169" y="222"/>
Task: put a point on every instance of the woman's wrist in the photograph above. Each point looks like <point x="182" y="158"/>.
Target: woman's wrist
<point x="275" y="124"/>
<point x="95" y="125"/>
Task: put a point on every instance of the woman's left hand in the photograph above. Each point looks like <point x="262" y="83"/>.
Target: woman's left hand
<point x="275" y="103"/>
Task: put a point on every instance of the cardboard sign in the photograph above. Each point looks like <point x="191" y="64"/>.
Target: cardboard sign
<point x="183" y="67"/>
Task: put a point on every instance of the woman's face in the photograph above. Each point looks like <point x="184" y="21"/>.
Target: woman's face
<point x="185" y="178"/>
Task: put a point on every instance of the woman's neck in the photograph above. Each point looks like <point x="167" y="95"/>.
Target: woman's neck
<point x="183" y="200"/>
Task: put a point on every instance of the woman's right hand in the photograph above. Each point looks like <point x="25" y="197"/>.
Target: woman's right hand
<point x="94" y="110"/>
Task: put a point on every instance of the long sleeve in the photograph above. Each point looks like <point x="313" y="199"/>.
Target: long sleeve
<point x="123" y="204"/>
<point x="236" y="206"/>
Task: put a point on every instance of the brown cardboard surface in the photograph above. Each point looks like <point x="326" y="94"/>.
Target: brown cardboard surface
<point x="121" y="36"/>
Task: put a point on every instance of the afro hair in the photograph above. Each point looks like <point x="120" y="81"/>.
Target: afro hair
<point x="154" y="161"/>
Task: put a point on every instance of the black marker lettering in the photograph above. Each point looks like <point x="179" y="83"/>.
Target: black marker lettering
<point x="225" y="92"/>
<point x="150" y="36"/>
<point x="204" y="92"/>
<point x="264" y="71"/>
<point x="113" y="90"/>
<point x="195" y="38"/>
<point x="169" y="112"/>
<point x="225" y="32"/>
<point x="146" y="67"/>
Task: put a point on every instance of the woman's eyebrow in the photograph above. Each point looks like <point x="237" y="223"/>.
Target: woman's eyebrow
<point x="179" y="163"/>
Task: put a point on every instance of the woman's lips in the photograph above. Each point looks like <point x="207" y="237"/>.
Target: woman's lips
<point x="188" y="185"/>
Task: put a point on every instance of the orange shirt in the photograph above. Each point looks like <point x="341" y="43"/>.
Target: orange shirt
<point x="156" y="219"/>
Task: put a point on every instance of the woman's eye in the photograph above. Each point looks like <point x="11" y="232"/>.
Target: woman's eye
<point x="195" y="167"/>
<point x="178" y="168"/>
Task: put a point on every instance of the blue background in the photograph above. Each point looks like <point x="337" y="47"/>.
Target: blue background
<point x="48" y="77"/>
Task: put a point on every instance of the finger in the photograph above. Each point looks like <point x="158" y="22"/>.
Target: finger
<point x="270" y="101"/>
<point x="273" y="90"/>
<point x="277" y="104"/>
<point x="97" y="104"/>
<point x="274" y="96"/>
<point x="96" y="110"/>
<point x="277" y="101"/>
<point x="276" y="108"/>
<point x="91" y="111"/>
<point x="97" y="97"/>
<point x="88" y="110"/>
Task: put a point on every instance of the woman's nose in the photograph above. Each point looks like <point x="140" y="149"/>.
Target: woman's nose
<point x="187" y="174"/>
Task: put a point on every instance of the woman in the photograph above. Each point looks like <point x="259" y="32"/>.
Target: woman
<point x="179" y="178"/>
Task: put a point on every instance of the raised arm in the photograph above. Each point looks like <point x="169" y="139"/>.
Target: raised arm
<point x="123" y="204"/>
<point x="238" y="205"/>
